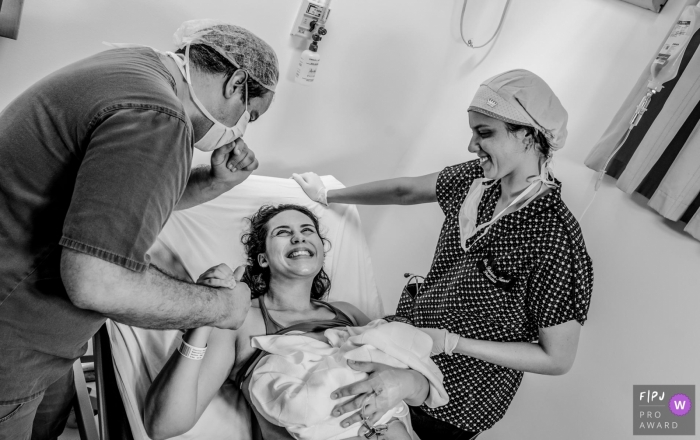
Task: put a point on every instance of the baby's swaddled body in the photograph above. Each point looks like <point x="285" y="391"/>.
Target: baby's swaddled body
<point x="292" y="386"/>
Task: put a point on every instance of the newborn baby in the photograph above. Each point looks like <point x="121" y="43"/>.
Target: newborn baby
<point x="292" y="386"/>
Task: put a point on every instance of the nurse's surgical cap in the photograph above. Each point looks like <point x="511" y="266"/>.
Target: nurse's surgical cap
<point x="239" y="46"/>
<point x="520" y="97"/>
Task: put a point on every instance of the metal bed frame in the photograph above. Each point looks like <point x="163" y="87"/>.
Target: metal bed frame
<point x="112" y="422"/>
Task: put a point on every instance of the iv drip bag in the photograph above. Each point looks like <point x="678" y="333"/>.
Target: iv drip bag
<point x="665" y="66"/>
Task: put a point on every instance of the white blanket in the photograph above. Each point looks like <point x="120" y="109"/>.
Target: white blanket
<point x="201" y="237"/>
<point x="292" y="386"/>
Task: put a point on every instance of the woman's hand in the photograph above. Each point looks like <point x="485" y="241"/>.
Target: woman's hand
<point x="385" y="388"/>
<point x="218" y="276"/>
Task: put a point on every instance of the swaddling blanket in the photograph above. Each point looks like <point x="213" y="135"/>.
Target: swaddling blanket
<point x="292" y="386"/>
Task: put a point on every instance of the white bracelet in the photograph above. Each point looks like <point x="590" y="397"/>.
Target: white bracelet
<point x="191" y="352"/>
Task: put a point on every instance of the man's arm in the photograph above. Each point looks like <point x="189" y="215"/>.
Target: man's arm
<point x="230" y="165"/>
<point x="150" y="299"/>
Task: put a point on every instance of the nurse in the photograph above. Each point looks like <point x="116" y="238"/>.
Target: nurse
<point x="510" y="283"/>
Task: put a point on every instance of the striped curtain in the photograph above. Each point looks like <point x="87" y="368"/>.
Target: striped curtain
<point x="661" y="157"/>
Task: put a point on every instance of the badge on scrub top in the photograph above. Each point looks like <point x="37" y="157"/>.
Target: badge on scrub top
<point x="498" y="279"/>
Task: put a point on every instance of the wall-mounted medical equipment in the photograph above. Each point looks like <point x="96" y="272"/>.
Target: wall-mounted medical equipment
<point x="310" y="23"/>
<point x="310" y="13"/>
<point x="10" y="13"/>
<point x="478" y="45"/>
<point x="660" y="157"/>
<point x="652" y="5"/>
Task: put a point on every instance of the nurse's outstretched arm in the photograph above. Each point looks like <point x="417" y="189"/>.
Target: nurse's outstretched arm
<point x="399" y="191"/>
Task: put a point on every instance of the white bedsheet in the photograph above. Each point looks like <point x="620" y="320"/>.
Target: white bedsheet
<point x="292" y="386"/>
<point x="209" y="234"/>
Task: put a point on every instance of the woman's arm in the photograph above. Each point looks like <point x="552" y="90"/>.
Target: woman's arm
<point x="553" y="354"/>
<point x="399" y="191"/>
<point x="184" y="387"/>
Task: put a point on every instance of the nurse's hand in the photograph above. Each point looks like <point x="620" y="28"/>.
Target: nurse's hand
<point x="386" y="387"/>
<point x="232" y="163"/>
<point x="312" y="186"/>
<point x="443" y="341"/>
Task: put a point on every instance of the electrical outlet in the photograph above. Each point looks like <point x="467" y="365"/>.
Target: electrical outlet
<point x="310" y="10"/>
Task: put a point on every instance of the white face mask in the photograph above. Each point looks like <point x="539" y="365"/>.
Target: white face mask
<point x="218" y="135"/>
<point x="468" y="213"/>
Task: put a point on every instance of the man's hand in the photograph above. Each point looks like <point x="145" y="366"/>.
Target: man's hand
<point x="232" y="163"/>
<point x="237" y="303"/>
<point x="385" y="388"/>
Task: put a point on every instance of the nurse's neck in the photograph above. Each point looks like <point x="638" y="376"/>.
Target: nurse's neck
<point x="289" y="294"/>
<point x="517" y="181"/>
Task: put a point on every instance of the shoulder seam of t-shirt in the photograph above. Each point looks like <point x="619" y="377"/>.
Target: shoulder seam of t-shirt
<point x="103" y="254"/>
<point x="137" y="106"/>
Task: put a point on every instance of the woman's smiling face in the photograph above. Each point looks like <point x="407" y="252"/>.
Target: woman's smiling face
<point x="499" y="151"/>
<point x="293" y="246"/>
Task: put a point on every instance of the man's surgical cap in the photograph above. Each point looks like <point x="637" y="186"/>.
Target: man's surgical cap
<point x="239" y="46"/>
<point x="520" y="97"/>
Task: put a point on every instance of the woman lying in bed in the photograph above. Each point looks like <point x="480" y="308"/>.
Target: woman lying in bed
<point x="285" y="273"/>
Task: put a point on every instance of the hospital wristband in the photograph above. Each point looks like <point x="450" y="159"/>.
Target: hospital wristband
<point x="191" y="352"/>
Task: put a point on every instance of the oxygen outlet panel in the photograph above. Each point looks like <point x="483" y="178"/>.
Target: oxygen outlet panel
<point x="309" y="11"/>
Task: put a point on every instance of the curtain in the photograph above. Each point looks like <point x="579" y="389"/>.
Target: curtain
<point x="661" y="157"/>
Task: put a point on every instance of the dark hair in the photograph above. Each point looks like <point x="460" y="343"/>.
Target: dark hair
<point x="542" y="143"/>
<point x="212" y="62"/>
<point x="258" y="277"/>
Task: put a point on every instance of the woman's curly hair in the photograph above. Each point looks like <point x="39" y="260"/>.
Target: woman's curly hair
<point x="258" y="277"/>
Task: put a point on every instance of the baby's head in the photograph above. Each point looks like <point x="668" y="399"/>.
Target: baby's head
<point x="284" y="241"/>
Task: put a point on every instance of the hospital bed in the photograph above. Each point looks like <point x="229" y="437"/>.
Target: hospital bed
<point x="127" y="359"/>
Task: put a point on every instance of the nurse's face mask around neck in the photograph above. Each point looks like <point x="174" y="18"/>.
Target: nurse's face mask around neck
<point x="218" y="134"/>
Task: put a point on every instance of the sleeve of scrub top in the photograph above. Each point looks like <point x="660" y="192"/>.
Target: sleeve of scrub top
<point x="554" y="291"/>
<point x="452" y="182"/>
<point x="135" y="169"/>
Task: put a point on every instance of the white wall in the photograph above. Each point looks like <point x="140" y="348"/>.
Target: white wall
<point x="391" y="99"/>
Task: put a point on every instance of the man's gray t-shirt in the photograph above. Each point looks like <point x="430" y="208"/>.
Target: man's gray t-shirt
<point x="94" y="158"/>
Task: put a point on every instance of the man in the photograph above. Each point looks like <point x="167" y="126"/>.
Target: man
<point x="95" y="157"/>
